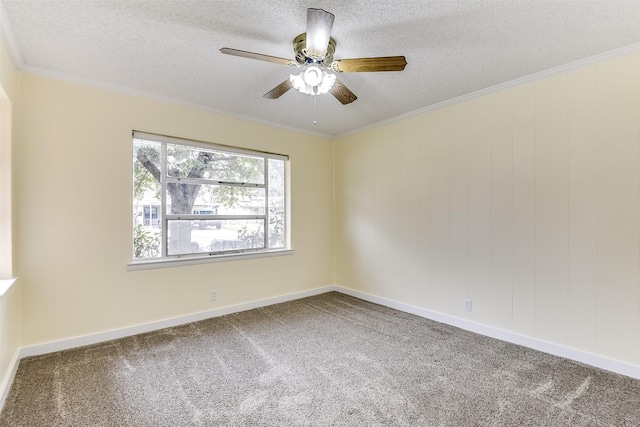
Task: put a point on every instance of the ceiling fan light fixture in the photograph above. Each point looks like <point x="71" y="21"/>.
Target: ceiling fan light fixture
<point x="312" y="76"/>
<point x="313" y="81"/>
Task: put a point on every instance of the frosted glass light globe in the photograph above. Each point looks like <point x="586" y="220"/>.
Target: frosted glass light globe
<point x="313" y="76"/>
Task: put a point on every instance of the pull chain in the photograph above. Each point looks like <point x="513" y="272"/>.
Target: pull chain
<point x="315" y="109"/>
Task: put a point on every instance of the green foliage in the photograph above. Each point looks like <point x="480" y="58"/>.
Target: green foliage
<point x="190" y="162"/>
<point x="252" y="238"/>
<point x="143" y="179"/>
<point x="231" y="168"/>
<point x="276" y="228"/>
<point x="224" y="195"/>
<point x="255" y="238"/>
<point x="146" y="242"/>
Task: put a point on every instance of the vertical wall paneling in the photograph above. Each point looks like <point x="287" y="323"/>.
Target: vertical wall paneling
<point x="64" y="110"/>
<point x="439" y="135"/>
<point x="583" y="227"/>
<point x="348" y="229"/>
<point x="501" y="210"/>
<point x="372" y="215"/>
<point x="479" y="206"/>
<point x="99" y="287"/>
<point x="524" y="209"/>
<point x="37" y="293"/>
<point x="390" y="245"/>
<point x="459" y="212"/>
<point x="425" y="210"/>
<point x="411" y="190"/>
<point x="618" y="210"/>
<point x="552" y="231"/>
<point x="366" y="216"/>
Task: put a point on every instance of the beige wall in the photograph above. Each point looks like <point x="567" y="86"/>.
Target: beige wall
<point x="8" y="96"/>
<point x="526" y="201"/>
<point x="73" y="213"/>
<point x="10" y="316"/>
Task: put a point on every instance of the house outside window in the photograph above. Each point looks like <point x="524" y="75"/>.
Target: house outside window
<point x="197" y="200"/>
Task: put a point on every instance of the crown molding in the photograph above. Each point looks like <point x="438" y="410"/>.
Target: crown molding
<point x="162" y="98"/>
<point x="633" y="48"/>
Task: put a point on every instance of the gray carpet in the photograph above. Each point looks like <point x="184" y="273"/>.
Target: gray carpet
<point x="322" y="361"/>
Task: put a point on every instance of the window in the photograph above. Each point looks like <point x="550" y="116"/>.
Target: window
<point x="197" y="200"/>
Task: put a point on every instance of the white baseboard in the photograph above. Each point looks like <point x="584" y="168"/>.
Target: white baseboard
<point x="5" y="386"/>
<point x="81" y="341"/>
<point x="587" y="358"/>
<point x="616" y="366"/>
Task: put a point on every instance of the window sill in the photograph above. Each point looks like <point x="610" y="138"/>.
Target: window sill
<point x="5" y="285"/>
<point x="194" y="260"/>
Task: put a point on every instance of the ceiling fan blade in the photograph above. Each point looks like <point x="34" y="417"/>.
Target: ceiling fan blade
<point x="259" y="56"/>
<point x="319" y="25"/>
<point x="279" y="90"/>
<point x="359" y="65"/>
<point x="342" y="93"/>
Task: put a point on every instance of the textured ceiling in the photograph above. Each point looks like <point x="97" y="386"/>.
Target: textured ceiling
<point x="170" y="49"/>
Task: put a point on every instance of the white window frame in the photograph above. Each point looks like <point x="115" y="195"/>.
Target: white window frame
<point x="166" y="260"/>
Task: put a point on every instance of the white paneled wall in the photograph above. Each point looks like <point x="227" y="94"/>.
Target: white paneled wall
<point x="478" y="209"/>
<point x="583" y="196"/>
<point x="525" y="200"/>
<point x="618" y="213"/>
<point x="551" y="209"/>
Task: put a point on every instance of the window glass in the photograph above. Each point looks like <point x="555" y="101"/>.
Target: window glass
<point x="276" y="203"/>
<point x="217" y="199"/>
<point x="194" y="162"/>
<point x="146" y="199"/>
<point x="193" y="200"/>
<point x="187" y="237"/>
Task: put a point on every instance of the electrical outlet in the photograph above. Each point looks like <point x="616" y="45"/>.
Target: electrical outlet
<point x="213" y="295"/>
<point x="468" y="305"/>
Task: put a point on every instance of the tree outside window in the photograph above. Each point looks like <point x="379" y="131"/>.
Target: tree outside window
<point x="194" y="199"/>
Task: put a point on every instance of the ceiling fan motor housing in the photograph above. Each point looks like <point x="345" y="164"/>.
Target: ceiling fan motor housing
<point x="303" y="58"/>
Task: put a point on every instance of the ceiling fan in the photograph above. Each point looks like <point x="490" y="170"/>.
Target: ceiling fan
<point x="314" y="52"/>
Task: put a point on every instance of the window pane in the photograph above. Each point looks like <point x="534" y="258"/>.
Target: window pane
<point x="193" y="162"/>
<point x="248" y="234"/>
<point x="216" y="199"/>
<point x="237" y="200"/>
<point x="147" y="219"/>
<point x="186" y="236"/>
<point x="216" y="188"/>
<point x="276" y="203"/>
